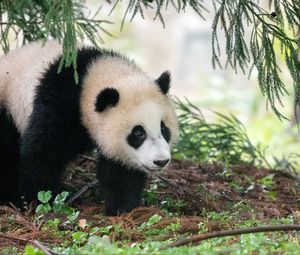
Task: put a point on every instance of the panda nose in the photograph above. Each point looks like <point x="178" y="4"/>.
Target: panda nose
<point x="161" y="163"/>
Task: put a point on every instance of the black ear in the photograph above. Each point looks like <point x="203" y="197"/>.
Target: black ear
<point x="163" y="81"/>
<point x="105" y="98"/>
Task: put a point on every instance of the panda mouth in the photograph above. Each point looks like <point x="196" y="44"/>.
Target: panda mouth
<point x="152" y="169"/>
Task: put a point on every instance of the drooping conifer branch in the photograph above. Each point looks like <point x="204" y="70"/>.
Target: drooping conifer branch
<point x="64" y="20"/>
<point x="272" y="37"/>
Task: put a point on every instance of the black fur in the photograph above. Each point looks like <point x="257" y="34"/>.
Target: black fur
<point x="54" y="134"/>
<point x="9" y="158"/>
<point x="105" y="98"/>
<point x="165" y="131"/>
<point x="163" y="82"/>
<point x="122" y="187"/>
<point x="137" y="137"/>
<point x="53" y="137"/>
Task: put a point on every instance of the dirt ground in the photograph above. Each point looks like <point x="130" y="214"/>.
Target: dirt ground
<point x="188" y="190"/>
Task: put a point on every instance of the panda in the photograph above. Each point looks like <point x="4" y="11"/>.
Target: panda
<point x="46" y="119"/>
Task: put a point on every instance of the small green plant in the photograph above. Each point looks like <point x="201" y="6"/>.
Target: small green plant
<point x="173" y="227"/>
<point x="150" y="230"/>
<point x="80" y="237"/>
<point x="52" y="224"/>
<point x="105" y="230"/>
<point x="267" y="181"/>
<point x="44" y="197"/>
<point x="58" y="206"/>
<point x="30" y="250"/>
<point x="9" y="250"/>
<point x="153" y="220"/>
<point x="169" y="205"/>
<point x="94" y="231"/>
<point x="150" y="196"/>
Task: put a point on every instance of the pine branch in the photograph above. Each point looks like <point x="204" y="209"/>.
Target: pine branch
<point x="38" y="20"/>
<point x="135" y="7"/>
<point x="259" y="51"/>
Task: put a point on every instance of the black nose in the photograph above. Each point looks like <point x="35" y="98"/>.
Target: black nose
<point x="161" y="163"/>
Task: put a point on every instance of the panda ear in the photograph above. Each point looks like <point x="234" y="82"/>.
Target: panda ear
<point x="107" y="97"/>
<point x="163" y="82"/>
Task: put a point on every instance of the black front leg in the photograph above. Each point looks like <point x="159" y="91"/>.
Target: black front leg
<point x="122" y="187"/>
<point x="53" y="137"/>
<point x="43" y="159"/>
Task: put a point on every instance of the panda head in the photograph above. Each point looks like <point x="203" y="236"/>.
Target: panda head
<point x="130" y="116"/>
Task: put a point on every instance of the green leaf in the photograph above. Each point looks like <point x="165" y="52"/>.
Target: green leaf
<point x="61" y="198"/>
<point x="80" y="237"/>
<point x="39" y="208"/>
<point x="95" y="230"/>
<point x="73" y="216"/>
<point x="30" y="250"/>
<point x="106" y="230"/>
<point x="44" y="196"/>
<point x="43" y="208"/>
<point x="153" y="220"/>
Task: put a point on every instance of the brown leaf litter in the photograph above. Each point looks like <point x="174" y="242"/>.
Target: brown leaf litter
<point x="201" y="187"/>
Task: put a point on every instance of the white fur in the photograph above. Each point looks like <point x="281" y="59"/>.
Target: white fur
<point x="141" y="103"/>
<point x="20" y="71"/>
<point x="149" y="115"/>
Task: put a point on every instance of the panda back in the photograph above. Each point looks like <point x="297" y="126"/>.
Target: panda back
<point x="20" y="72"/>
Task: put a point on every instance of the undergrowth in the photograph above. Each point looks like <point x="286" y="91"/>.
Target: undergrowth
<point x="159" y="230"/>
<point x="224" y="141"/>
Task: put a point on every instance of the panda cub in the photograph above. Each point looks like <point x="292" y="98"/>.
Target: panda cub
<point x="46" y="119"/>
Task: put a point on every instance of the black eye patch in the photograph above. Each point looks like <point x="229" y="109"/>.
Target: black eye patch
<point x="165" y="131"/>
<point x="137" y="137"/>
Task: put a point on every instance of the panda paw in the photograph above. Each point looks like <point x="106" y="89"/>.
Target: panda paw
<point x="115" y="209"/>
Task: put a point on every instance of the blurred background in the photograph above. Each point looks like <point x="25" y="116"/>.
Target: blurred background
<point x="183" y="46"/>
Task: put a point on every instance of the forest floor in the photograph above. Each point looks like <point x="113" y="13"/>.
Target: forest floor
<point x="188" y="199"/>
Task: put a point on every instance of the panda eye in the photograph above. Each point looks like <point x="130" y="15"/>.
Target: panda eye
<point x="139" y="132"/>
<point x="137" y="137"/>
<point x="165" y="131"/>
<point x="163" y="127"/>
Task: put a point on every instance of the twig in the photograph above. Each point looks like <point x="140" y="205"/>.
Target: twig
<point x="18" y="217"/>
<point x="88" y="158"/>
<point x="7" y="209"/>
<point x="80" y="192"/>
<point x="201" y="237"/>
<point x="85" y="187"/>
<point x="42" y="247"/>
<point x="14" y="238"/>
<point x="25" y="241"/>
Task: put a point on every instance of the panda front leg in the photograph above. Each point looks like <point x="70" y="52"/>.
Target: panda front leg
<point x="41" y="163"/>
<point x="50" y="141"/>
<point x="38" y="172"/>
<point x="122" y="187"/>
<point x="9" y="158"/>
